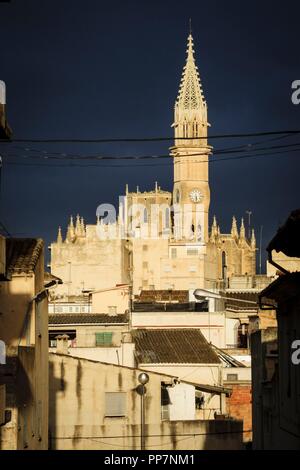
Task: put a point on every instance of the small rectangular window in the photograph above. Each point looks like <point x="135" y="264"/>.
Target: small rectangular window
<point x="115" y="404"/>
<point x="104" y="338"/>
<point x="165" y="402"/>
<point x="232" y="377"/>
<point x="174" y="253"/>
<point x="145" y="264"/>
<point x="192" y="252"/>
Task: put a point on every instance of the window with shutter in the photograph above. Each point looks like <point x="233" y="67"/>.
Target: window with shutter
<point x="115" y="404"/>
<point x="104" y="338"/>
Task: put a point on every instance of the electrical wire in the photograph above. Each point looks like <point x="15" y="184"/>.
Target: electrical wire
<point x="247" y="146"/>
<point x="154" y="435"/>
<point x="210" y="161"/>
<point x="152" y="139"/>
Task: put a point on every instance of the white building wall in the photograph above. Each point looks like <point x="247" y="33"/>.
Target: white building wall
<point x="182" y="398"/>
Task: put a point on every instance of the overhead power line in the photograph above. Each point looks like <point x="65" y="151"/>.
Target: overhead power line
<point x="152" y="139"/>
<point x="142" y="159"/>
<point x="248" y="149"/>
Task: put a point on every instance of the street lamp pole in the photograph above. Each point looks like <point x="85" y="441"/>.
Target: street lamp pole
<point x="143" y="378"/>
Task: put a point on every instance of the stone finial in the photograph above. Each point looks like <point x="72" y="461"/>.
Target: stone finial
<point x="214" y="230"/>
<point x="71" y="231"/>
<point x="126" y="189"/>
<point x="234" y="229"/>
<point x="82" y="227"/>
<point x="59" y="236"/>
<point x="242" y="230"/>
<point x="77" y="226"/>
<point x="156" y="186"/>
<point x="253" y="239"/>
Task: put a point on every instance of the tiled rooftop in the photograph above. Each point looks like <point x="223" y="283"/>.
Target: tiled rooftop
<point x="22" y="254"/>
<point x="178" y="346"/>
<point x="82" y="318"/>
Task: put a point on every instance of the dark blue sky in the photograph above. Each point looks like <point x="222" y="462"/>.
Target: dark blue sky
<point x="92" y="69"/>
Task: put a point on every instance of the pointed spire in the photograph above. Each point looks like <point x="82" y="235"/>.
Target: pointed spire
<point x="59" y="236"/>
<point x="71" y="230"/>
<point x="82" y="227"/>
<point x="77" y="226"/>
<point x="253" y="240"/>
<point x="234" y="229"/>
<point x="214" y="229"/>
<point x="242" y="230"/>
<point x="190" y="118"/>
<point x="190" y="94"/>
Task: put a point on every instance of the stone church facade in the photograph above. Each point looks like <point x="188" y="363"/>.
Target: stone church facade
<point x="160" y="240"/>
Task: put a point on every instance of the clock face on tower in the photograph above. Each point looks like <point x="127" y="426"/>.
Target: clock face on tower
<point x="196" y="195"/>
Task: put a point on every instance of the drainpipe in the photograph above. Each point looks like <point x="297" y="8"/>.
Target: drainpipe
<point x="223" y="403"/>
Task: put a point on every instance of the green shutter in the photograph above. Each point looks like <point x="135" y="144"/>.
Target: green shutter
<point x="104" y="339"/>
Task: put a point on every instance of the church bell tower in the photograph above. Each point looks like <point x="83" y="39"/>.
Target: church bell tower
<point x="191" y="194"/>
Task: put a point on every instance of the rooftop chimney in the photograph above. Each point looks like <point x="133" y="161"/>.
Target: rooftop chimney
<point x="62" y="344"/>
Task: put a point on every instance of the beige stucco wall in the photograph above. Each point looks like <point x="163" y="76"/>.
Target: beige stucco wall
<point x="77" y="412"/>
<point x="116" y="297"/>
<point x="122" y="355"/>
<point x="289" y="263"/>
<point x="89" y="263"/>
<point x="86" y="334"/>
<point x="24" y="328"/>
<point x="209" y="374"/>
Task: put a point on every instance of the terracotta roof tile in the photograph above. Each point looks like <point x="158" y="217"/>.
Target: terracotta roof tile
<point x="163" y="296"/>
<point x="241" y="300"/>
<point x="22" y="254"/>
<point x="82" y="318"/>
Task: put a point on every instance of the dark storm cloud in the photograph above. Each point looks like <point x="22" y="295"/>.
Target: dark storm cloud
<point x="112" y="69"/>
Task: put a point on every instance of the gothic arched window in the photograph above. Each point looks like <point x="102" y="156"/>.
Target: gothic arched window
<point x="224" y="265"/>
